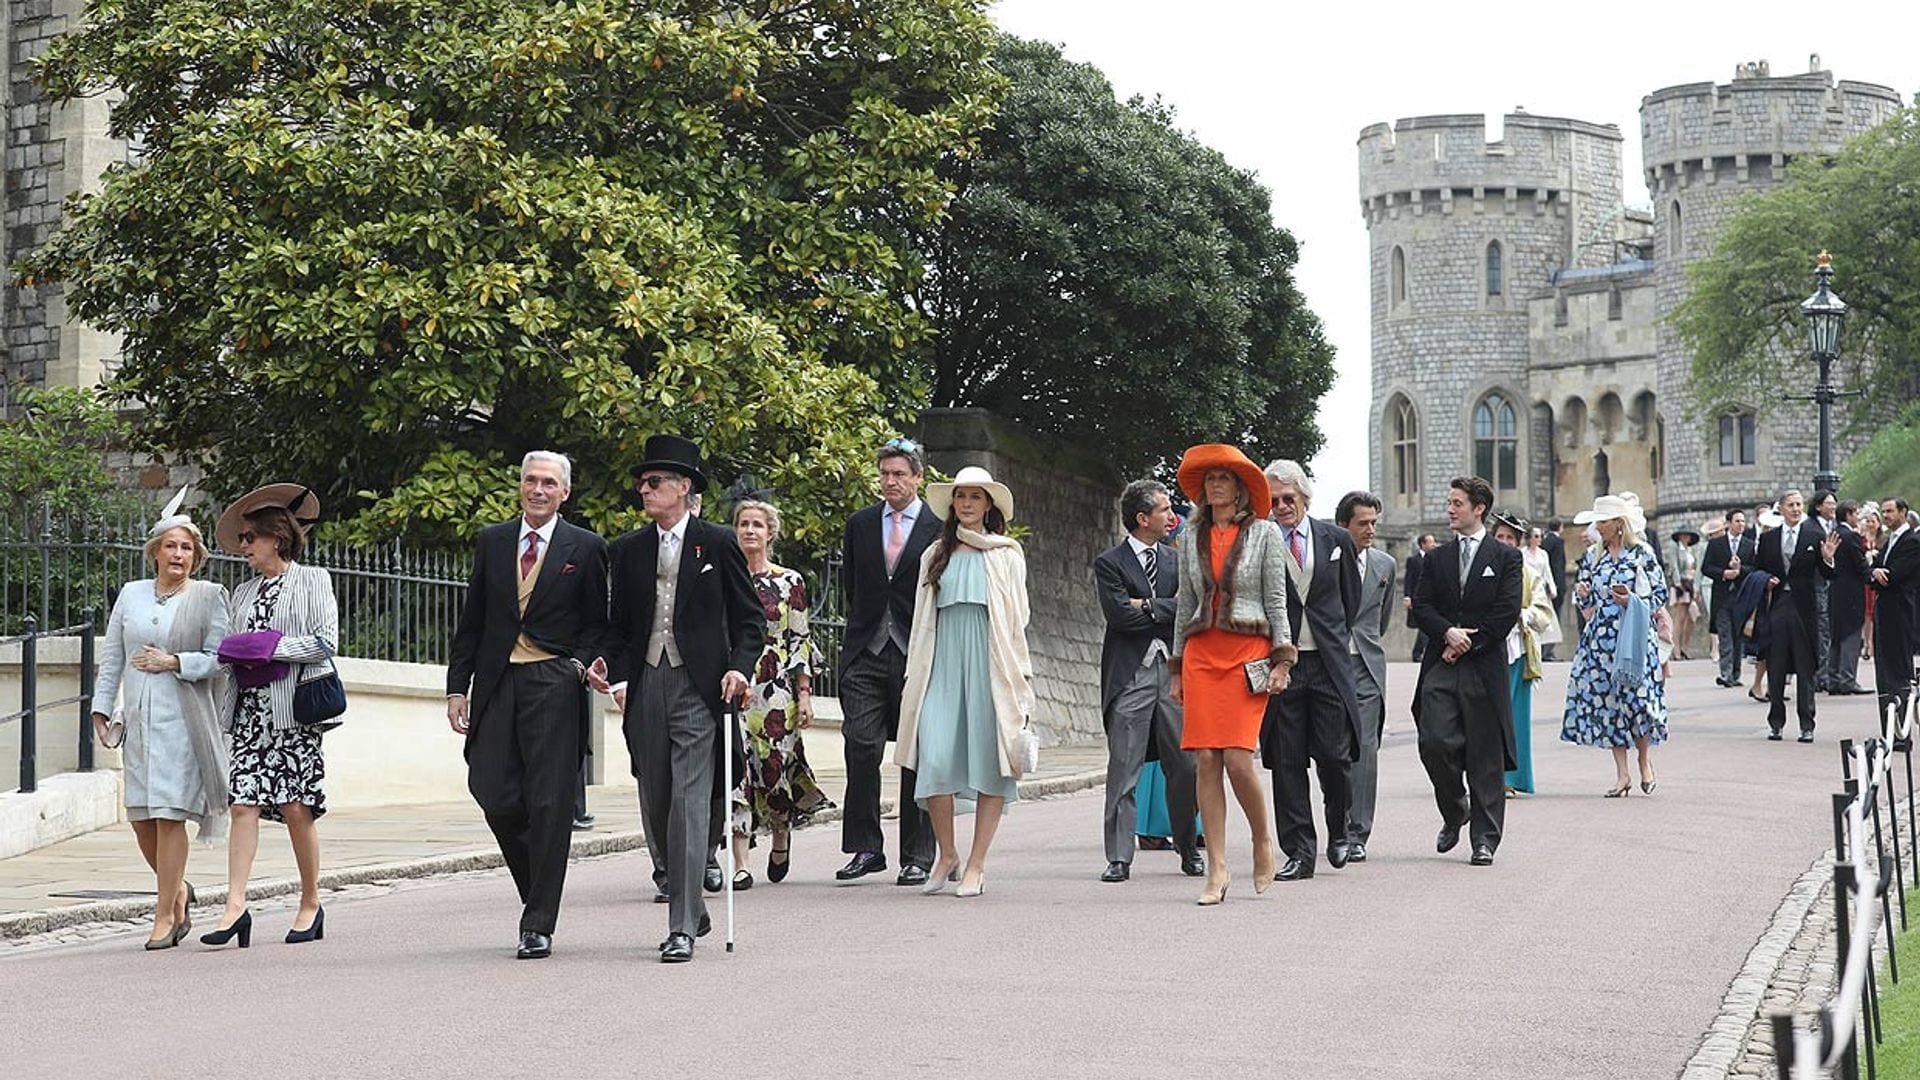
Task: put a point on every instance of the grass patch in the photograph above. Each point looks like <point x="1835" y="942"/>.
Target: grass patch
<point x="1899" y="1056"/>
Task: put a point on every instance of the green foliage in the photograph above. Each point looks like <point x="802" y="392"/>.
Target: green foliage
<point x="1742" y="321"/>
<point x="1899" y="1055"/>
<point x="1107" y="279"/>
<point x="51" y="452"/>
<point x="387" y="246"/>
<point x="1889" y="464"/>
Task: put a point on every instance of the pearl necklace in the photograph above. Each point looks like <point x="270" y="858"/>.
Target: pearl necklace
<point x="161" y="598"/>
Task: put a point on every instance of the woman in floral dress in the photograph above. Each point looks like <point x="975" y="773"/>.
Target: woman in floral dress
<point x="777" y="793"/>
<point x="1615" y="697"/>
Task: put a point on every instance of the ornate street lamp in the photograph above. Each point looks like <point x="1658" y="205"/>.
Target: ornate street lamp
<point x="1825" y="314"/>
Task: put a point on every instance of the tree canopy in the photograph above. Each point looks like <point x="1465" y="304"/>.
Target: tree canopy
<point x="386" y="246"/>
<point x="1106" y="278"/>
<point x="1743" y="321"/>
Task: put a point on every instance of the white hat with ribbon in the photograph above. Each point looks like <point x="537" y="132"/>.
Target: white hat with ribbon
<point x="940" y="496"/>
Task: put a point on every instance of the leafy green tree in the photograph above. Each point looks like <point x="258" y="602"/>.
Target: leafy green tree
<point x="1742" y="321"/>
<point x="387" y="246"/>
<point x="1106" y="278"/>
<point x="52" y="451"/>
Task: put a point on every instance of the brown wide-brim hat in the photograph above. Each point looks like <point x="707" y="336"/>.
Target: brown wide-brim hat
<point x="297" y="499"/>
<point x="1200" y="460"/>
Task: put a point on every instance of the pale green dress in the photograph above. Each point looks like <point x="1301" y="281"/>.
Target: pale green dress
<point x="959" y="736"/>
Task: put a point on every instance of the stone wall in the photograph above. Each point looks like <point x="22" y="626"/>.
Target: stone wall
<point x="1069" y="501"/>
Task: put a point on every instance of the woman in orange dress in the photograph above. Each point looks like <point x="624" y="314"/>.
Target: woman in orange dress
<point x="1230" y="646"/>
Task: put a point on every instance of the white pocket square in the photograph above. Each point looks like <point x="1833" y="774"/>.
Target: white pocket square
<point x="1335" y="557"/>
<point x="1486" y="571"/>
<point x="706" y="568"/>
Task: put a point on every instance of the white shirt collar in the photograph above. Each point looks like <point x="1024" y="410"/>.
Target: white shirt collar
<point x="909" y="514"/>
<point x="545" y="531"/>
<point x="679" y="530"/>
<point x="1138" y="547"/>
<point x="1476" y="536"/>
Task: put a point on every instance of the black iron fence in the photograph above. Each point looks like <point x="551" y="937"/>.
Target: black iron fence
<point x="32" y="708"/>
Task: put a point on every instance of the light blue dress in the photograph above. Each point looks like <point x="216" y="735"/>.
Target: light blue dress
<point x="959" y="740"/>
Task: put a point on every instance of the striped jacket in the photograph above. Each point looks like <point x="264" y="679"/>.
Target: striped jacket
<point x="307" y="616"/>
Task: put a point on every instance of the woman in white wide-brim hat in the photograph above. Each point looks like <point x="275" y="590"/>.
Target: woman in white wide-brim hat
<point x="969" y="686"/>
<point x="1614" y="694"/>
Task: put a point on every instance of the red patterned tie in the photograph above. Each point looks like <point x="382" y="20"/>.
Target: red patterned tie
<point x="529" y="556"/>
<point x="1299" y="548"/>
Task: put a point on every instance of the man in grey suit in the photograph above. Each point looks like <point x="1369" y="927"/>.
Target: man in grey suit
<point x="1359" y="513"/>
<point x="1136" y="580"/>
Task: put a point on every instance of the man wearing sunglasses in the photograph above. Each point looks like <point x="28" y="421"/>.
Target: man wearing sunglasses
<point x="879" y="572"/>
<point x="1317" y="718"/>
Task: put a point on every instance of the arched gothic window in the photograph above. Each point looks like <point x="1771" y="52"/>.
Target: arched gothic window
<point x="1495" y="271"/>
<point x="1496" y="442"/>
<point x="1398" y="279"/>
<point x="1403" y="425"/>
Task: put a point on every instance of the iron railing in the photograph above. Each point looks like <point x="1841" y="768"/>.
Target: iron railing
<point x="31" y="707"/>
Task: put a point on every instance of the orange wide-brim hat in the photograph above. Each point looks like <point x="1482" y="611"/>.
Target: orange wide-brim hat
<point x="1200" y="460"/>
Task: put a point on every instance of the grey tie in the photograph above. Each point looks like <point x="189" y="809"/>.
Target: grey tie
<point x="1153" y="572"/>
<point x="1466" y="559"/>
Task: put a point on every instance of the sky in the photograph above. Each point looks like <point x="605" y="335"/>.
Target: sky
<point x="1283" y="89"/>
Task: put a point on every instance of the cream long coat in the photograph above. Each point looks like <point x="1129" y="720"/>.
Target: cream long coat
<point x="1010" y="667"/>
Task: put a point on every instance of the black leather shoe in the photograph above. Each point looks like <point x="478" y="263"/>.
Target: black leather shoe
<point x="862" y="864"/>
<point x="706" y="926"/>
<point x="713" y="880"/>
<point x="911" y="875"/>
<point x="1482" y="855"/>
<point x="1295" y="870"/>
<point x="1774" y="736"/>
<point x="1192" y="864"/>
<point x="1338" y="854"/>
<point x="1116" y="871"/>
<point x="1448" y="839"/>
<point x="534" y="946"/>
<point x="1356" y="852"/>
<point x="677" y="949"/>
<point x="1805" y="736"/>
<point x="583" y="823"/>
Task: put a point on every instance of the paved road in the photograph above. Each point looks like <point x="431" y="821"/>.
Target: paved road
<point x="1598" y="946"/>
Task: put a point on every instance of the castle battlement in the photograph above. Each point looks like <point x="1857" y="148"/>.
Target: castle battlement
<point x="1751" y="127"/>
<point x="1439" y="158"/>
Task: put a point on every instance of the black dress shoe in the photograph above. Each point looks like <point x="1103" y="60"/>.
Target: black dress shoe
<point x="862" y="864"/>
<point x="1192" y="864"/>
<point x="1482" y="855"/>
<point x="713" y="880"/>
<point x="677" y="949"/>
<point x="1117" y="871"/>
<point x="1773" y="736"/>
<point x="1805" y="736"/>
<point x="583" y="823"/>
<point x="1448" y="839"/>
<point x="534" y="946"/>
<point x="911" y="874"/>
<point x="1356" y="851"/>
<point x="706" y="927"/>
<point x="1338" y="854"/>
<point x="1295" y="870"/>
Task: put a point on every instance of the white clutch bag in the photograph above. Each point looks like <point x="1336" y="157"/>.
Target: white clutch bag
<point x="1028" y="760"/>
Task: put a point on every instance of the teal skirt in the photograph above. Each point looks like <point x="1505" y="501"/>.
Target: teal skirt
<point x="1521" y="779"/>
<point x="959" y="735"/>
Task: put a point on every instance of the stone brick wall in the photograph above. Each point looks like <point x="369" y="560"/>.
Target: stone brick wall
<point x="1069" y="499"/>
<point x="33" y="185"/>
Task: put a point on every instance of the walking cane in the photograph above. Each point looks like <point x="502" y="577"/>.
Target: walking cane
<point x="726" y="830"/>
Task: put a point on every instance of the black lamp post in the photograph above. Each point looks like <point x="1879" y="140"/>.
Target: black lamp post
<point x="1825" y="314"/>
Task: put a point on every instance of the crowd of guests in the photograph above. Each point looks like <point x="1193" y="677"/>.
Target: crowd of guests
<point x="1247" y="635"/>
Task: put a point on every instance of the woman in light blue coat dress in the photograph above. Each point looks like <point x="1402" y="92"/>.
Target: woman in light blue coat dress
<point x="158" y="659"/>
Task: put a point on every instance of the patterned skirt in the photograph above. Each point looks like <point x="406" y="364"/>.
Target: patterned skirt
<point x="272" y="767"/>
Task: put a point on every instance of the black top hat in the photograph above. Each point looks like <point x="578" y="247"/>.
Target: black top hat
<point x="675" y="454"/>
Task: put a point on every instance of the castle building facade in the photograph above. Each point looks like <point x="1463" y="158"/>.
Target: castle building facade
<point x="1520" y="310"/>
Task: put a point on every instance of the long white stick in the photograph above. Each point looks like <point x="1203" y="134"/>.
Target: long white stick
<point x="726" y="803"/>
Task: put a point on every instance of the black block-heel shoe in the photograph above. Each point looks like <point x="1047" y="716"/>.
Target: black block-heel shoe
<point x="242" y="928"/>
<point x="316" y="932"/>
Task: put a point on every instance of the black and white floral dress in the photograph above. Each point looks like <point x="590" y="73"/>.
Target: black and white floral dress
<point x="273" y="766"/>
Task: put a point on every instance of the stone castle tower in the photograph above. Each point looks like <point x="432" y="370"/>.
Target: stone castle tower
<point x="1519" y="308"/>
<point x="1706" y="146"/>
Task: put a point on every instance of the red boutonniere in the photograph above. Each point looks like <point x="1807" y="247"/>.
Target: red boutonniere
<point x="699" y="553"/>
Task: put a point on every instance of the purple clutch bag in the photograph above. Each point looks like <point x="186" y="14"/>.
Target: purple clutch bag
<point x="251" y="654"/>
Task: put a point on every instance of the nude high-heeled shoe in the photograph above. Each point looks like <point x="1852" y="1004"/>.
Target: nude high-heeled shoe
<point x="1215" y="896"/>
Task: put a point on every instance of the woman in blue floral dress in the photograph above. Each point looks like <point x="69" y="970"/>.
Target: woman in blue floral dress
<point x="777" y="793"/>
<point x="1615" y="697"/>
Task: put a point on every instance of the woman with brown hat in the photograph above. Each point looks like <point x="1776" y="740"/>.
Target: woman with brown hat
<point x="969" y="687"/>
<point x="286" y="631"/>
<point x="1231" y="646"/>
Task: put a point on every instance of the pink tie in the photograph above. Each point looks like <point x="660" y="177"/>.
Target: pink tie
<point x="529" y="556"/>
<point x="1299" y="549"/>
<point x="896" y="540"/>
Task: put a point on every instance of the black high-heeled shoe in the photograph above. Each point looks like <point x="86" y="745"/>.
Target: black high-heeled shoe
<point x="316" y="932"/>
<point x="242" y="928"/>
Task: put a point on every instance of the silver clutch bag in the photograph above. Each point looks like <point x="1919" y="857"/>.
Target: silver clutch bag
<point x="1259" y="673"/>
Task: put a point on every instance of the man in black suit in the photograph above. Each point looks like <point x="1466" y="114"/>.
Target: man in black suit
<point x="534" y="619"/>
<point x="1895" y="575"/>
<point x="879" y="572"/>
<point x="1136" y="580"/>
<point x="1793" y="556"/>
<point x="1416" y="562"/>
<point x="1847" y="602"/>
<point x="687" y="627"/>
<point x="1729" y="558"/>
<point x="1468" y="602"/>
<point x="1556" y="548"/>
<point x="1318" y="716"/>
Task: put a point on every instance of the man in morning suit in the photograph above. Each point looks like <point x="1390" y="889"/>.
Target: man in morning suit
<point x="1317" y="716"/>
<point x="1793" y="557"/>
<point x="687" y="627"/>
<point x="1729" y="558"/>
<point x="1359" y="513"/>
<point x="1416" y="562"/>
<point x="1136" y="580"/>
<point x="879" y="573"/>
<point x="534" y="619"/>
<point x="1468" y="602"/>
<point x="1847" y="602"/>
<point x="1896" y="577"/>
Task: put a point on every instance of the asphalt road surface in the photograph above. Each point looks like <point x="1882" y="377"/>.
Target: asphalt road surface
<point x="1598" y="945"/>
